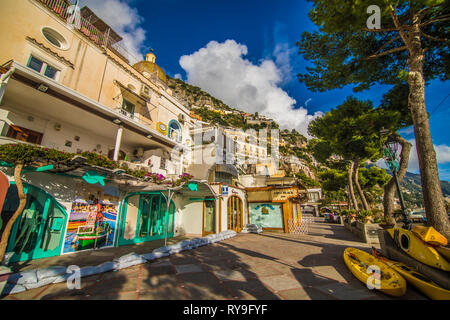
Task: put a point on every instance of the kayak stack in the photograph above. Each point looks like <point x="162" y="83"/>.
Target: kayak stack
<point x="424" y="244"/>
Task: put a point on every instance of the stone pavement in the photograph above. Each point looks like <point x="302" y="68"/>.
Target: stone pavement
<point x="249" y="266"/>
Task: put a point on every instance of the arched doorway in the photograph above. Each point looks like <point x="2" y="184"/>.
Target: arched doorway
<point x="235" y="211"/>
<point x="39" y="230"/>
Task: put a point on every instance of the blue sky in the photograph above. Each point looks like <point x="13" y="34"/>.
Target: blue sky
<point x="264" y="34"/>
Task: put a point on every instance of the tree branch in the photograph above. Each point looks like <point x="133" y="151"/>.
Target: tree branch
<point x="386" y="44"/>
<point x="434" y="38"/>
<point x="425" y="10"/>
<point x="399" y="27"/>
<point x="376" y="56"/>
<point x="443" y="18"/>
<point x="385" y="29"/>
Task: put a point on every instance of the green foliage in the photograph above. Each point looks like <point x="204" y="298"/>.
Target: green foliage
<point x="31" y="155"/>
<point x="363" y="216"/>
<point x="95" y="159"/>
<point x="333" y="180"/>
<point x="309" y="182"/>
<point x="373" y="176"/>
<point x="350" y="131"/>
<point x="339" y="51"/>
<point x="28" y="155"/>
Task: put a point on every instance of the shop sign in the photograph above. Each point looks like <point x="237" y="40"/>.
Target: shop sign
<point x="283" y="194"/>
<point x="162" y="128"/>
<point x="225" y="190"/>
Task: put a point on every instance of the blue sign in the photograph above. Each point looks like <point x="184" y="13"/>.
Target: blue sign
<point x="224" y="190"/>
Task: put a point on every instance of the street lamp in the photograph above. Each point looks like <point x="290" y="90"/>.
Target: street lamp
<point x="390" y="156"/>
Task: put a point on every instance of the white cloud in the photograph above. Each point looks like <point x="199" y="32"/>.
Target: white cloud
<point x="222" y="70"/>
<point x="124" y="19"/>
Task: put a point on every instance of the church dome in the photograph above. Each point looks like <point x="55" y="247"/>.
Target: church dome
<point x="148" y="68"/>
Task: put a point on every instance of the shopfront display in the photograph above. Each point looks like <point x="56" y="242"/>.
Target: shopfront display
<point x="266" y="215"/>
<point x="92" y="221"/>
<point x="39" y="230"/>
<point x="143" y="218"/>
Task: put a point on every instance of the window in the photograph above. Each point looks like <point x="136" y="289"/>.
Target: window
<point x="128" y="107"/>
<point x="55" y="38"/>
<point x="25" y="135"/>
<point x="175" y="131"/>
<point x="43" y="68"/>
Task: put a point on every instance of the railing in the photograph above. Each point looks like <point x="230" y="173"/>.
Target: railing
<point x="62" y="9"/>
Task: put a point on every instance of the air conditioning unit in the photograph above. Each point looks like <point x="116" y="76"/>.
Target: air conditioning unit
<point x="146" y="91"/>
<point x="181" y="118"/>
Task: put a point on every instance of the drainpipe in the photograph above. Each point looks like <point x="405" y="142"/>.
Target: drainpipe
<point x="118" y="142"/>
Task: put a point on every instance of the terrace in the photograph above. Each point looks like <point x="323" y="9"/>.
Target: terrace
<point x="102" y="35"/>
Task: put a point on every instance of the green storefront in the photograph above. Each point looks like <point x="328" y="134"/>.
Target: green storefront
<point x="143" y="218"/>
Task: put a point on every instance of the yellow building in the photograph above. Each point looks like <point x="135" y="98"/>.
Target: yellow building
<point x="73" y="87"/>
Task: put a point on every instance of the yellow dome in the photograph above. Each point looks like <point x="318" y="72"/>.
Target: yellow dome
<point x="150" y="67"/>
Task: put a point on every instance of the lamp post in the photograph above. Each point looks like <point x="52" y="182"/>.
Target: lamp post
<point x="390" y="156"/>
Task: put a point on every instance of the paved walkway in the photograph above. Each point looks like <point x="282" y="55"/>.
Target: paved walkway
<point x="249" y="266"/>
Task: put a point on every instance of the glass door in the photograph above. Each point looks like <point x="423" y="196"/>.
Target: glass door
<point x="209" y="217"/>
<point x="144" y="218"/>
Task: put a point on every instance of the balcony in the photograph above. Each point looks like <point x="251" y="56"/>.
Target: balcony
<point x="93" y="28"/>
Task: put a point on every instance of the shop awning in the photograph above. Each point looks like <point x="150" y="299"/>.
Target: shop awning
<point x="193" y="189"/>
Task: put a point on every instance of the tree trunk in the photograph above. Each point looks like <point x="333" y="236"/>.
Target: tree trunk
<point x="22" y="203"/>
<point x="431" y="188"/>
<point x="390" y="188"/>
<point x="350" y="187"/>
<point x="358" y="186"/>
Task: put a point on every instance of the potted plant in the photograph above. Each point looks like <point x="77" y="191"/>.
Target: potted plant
<point x="386" y="223"/>
<point x="364" y="216"/>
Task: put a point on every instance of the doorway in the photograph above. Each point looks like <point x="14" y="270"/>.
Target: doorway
<point x="235" y="213"/>
<point x="39" y="230"/>
<point x="143" y="218"/>
<point x="209" y="217"/>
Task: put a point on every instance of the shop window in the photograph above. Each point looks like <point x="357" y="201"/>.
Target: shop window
<point x="39" y="230"/>
<point x="24" y="135"/>
<point x="145" y="219"/>
<point x="43" y="68"/>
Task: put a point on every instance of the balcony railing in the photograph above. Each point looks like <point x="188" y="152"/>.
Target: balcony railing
<point x="61" y="8"/>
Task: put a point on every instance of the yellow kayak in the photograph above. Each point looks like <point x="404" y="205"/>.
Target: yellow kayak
<point x="430" y="235"/>
<point x="358" y="262"/>
<point x="418" y="249"/>
<point x="444" y="251"/>
<point x="418" y="280"/>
